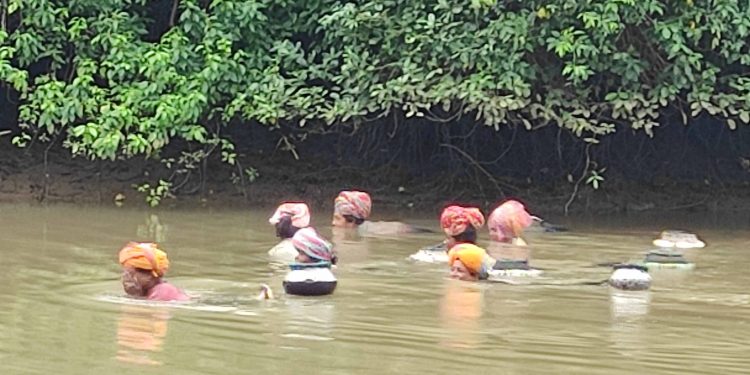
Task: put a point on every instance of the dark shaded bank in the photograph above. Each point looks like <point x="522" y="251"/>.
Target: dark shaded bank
<point x="702" y="167"/>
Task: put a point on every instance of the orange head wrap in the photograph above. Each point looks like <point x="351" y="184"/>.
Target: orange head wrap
<point x="455" y="219"/>
<point x="508" y="221"/>
<point x="472" y="256"/>
<point x="354" y="203"/>
<point x="146" y="256"/>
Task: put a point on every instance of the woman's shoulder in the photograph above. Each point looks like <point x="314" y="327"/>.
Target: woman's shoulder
<point x="165" y="291"/>
<point x="385" y="228"/>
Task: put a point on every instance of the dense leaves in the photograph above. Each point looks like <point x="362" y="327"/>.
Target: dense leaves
<point x="118" y="78"/>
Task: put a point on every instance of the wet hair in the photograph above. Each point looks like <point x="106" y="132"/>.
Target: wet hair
<point x="354" y="219"/>
<point x="467" y="236"/>
<point x="284" y="228"/>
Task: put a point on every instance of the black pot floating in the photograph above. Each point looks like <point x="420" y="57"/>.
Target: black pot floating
<point x="667" y="258"/>
<point x="310" y="281"/>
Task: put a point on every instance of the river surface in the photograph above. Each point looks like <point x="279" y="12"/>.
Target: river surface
<point x="63" y="310"/>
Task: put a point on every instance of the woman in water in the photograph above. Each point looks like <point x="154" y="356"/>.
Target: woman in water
<point x="143" y="266"/>
<point x="507" y="223"/>
<point x="312" y="248"/>
<point x="289" y="218"/>
<point x="352" y="210"/>
<point x="468" y="261"/>
<point x="461" y="224"/>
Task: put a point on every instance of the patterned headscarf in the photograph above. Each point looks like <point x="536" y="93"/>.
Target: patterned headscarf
<point x="146" y="256"/>
<point x="299" y="212"/>
<point x="508" y="221"/>
<point x="308" y="241"/>
<point x="355" y="203"/>
<point x="456" y="219"/>
<point x="472" y="256"/>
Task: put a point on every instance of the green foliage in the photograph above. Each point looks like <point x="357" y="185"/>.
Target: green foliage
<point x="595" y="178"/>
<point x="114" y="86"/>
<point x="155" y="194"/>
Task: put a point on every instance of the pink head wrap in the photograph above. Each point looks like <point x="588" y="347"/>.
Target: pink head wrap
<point x="508" y="221"/>
<point x="455" y="219"/>
<point x="354" y="203"/>
<point x="299" y="212"/>
<point x="308" y="241"/>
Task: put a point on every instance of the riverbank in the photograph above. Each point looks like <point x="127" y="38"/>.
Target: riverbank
<point x="26" y="177"/>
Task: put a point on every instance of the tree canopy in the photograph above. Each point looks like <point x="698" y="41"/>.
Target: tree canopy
<point x="120" y="78"/>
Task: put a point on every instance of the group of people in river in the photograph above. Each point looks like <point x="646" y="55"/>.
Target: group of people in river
<point x="145" y="264"/>
<point x="303" y="247"/>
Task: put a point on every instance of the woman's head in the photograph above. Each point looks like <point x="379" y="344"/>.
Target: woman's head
<point x="467" y="262"/>
<point x="137" y="282"/>
<point x="508" y="221"/>
<point x="289" y="217"/>
<point x="284" y="227"/>
<point x="469" y="235"/>
<point x="311" y="247"/>
<point x="351" y="208"/>
<point x="460" y="223"/>
<point x="143" y="266"/>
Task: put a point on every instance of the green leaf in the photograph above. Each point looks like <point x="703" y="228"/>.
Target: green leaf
<point x="745" y="116"/>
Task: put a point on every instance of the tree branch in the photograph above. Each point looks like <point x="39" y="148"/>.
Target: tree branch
<point x="4" y="15"/>
<point x="578" y="183"/>
<point x="173" y="15"/>
<point x="478" y="166"/>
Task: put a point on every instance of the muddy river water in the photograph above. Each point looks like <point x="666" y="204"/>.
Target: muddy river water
<point x="62" y="309"/>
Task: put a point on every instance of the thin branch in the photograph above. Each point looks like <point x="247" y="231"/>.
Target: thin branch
<point x="4" y="15"/>
<point x="173" y="15"/>
<point x="507" y="149"/>
<point x="580" y="179"/>
<point x="478" y="166"/>
<point x="45" y="190"/>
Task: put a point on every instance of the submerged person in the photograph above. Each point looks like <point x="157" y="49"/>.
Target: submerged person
<point x="352" y="210"/>
<point x="310" y="274"/>
<point x="468" y="262"/>
<point x="289" y="218"/>
<point x="508" y="221"/>
<point x="143" y="266"/>
<point x="312" y="248"/>
<point x="461" y="224"/>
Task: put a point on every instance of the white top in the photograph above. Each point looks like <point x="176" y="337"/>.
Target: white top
<point x="430" y="256"/>
<point x="283" y="252"/>
<point x="312" y="274"/>
<point x="679" y="239"/>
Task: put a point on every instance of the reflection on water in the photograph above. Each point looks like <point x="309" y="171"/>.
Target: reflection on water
<point x="141" y="331"/>
<point x="629" y="312"/>
<point x="509" y="252"/>
<point x="152" y="230"/>
<point x="629" y="305"/>
<point x="350" y="247"/>
<point x="63" y="310"/>
<point x="309" y="319"/>
<point x="460" y="310"/>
